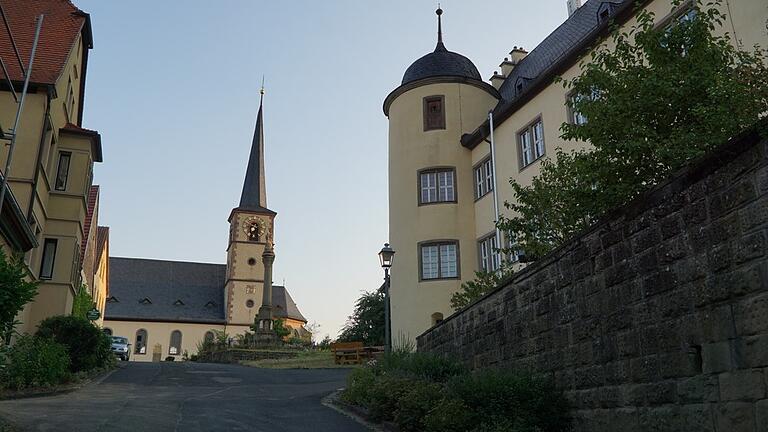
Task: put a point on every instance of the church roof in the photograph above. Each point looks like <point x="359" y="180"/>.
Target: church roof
<point x="441" y="63"/>
<point x="254" y="195"/>
<point x="175" y="291"/>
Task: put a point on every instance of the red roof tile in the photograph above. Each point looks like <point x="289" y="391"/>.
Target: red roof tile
<point x="102" y="240"/>
<point x="62" y="24"/>
<point x="93" y="198"/>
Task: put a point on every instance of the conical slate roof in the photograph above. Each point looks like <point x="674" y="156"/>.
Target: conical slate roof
<point x="254" y="195"/>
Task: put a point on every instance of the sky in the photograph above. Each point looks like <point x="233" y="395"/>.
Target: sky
<point x="173" y="88"/>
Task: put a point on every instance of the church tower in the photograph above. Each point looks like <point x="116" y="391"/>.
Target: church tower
<point x="250" y="251"/>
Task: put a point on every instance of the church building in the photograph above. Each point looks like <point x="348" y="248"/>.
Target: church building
<point x="171" y="306"/>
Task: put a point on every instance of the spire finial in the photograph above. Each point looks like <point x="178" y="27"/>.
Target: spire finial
<point x="262" y="89"/>
<point x="439" y="12"/>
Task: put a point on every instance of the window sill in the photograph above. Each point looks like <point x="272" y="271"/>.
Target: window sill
<point x="421" y="204"/>
<point x="483" y="195"/>
<point x="533" y="162"/>
<point x="439" y="279"/>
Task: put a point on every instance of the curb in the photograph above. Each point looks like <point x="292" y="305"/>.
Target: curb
<point x="333" y="402"/>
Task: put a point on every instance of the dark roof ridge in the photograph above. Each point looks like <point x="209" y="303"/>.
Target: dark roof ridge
<point x="166" y="260"/>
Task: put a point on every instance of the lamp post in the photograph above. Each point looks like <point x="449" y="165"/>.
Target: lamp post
<point x="386" y="256"/>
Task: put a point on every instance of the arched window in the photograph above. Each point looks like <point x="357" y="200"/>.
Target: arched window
<point x="140" y="347"/>
<point x="174" y="348"/>
<point x="437" y="318"/>
<point x="107" y="331"/>
<point x="208" y="336"/>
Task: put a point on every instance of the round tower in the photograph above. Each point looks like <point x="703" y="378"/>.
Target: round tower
<point x="431" y="200"/>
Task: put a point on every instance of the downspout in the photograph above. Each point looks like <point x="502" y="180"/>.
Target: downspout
<point x="41" y="146"/>
<point x="495" y="183"/>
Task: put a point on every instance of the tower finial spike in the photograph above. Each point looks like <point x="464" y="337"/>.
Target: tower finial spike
<point x="439" y="12"/>
<point x="262" y="87"/>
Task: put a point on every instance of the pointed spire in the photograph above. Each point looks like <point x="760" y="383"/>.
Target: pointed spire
<point x="440" y="46"/>
<point x="254" y="196"/>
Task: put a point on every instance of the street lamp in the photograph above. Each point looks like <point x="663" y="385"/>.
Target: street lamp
<point x="386" y="256"/>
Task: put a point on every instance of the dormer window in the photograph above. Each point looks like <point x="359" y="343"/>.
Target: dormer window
<point x="210" y="304"/>
<point x="112" y="299"/>
<point x="605" y="12"/>
<point x="145" y="301"/>
<point x="178" y="303"/>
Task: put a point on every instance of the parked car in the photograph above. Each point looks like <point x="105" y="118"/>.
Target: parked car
<point x="121" y="348"/>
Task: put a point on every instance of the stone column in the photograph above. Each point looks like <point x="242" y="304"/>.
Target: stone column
<point x="265" y="311"/>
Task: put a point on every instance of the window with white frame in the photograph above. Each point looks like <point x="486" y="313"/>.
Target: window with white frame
<point x="489" y="252"/>
<point x="439" y="260"/>
<point x="174" y="348"/>
<point x="62" y="172"/>
<point x="437" y="185"/>
<point x="483" y="178"/>
<point x="531" y="140"/>
<point x="513" y="252"/>
<point x="575" y="117"/>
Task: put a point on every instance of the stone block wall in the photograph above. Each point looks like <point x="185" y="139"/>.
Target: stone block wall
<point x="656" y="319"/>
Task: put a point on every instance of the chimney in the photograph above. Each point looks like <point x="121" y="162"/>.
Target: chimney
<point x="497" y="79"/>
<point x="573" y="5"/>
<point x="517" y="54"/>
<point x="506" y="66"/>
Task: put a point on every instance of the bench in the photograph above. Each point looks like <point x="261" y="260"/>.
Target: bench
<point x="347" y="352"/>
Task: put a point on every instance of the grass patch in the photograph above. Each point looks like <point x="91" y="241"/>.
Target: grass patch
<point x="304" y="360"/>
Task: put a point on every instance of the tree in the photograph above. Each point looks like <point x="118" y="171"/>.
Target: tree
<point x="82" y="303"/>
<point x="15" y="292"/>
<point x="366" y="324"/>
<point x="280" y="329"/>
<point x="484" y="282"/>
<point x="661" y="97"/>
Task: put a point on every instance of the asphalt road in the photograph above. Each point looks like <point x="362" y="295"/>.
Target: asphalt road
<point x="149" y="397"/>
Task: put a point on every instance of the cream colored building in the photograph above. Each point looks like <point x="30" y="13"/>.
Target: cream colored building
<point x="441" y="178"/>
<point x="169" y="307"/>
<point x="45" y="212"/>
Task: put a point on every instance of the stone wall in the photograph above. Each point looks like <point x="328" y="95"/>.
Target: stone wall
<point x="655" y="319"/>
<point x="238" y="355"/>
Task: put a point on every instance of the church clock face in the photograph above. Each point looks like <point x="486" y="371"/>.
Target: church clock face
<point x="254" y="228"/>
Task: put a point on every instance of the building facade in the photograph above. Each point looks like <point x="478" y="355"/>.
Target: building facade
<point x="442" y="180"/>
<point x="166" y="308"/>
<point x="46" y="209"/>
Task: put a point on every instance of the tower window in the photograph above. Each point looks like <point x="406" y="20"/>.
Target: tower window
<point x="439" y="260"/>
<point x="434" y="113"/>
<point x="437" y="185"/>
<point x="483" y="178"/>
<point x="531" y="142"/>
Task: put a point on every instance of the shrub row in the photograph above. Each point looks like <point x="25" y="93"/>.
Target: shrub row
<point x="63" y="347"/>
<point x="420" y="392"/>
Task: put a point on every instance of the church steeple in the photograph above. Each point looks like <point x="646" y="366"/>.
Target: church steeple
<point x="254" y="196"/>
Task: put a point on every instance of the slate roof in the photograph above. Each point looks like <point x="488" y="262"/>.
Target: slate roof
<point x="441" y="62"/>
<point x="555" y="46"/>
<point x="62" y="24"/>
<point x="254" y="195"/>
<point x="145" y="289"/>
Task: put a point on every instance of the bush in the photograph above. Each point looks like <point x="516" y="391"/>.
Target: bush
<point x="415" y="404"/>
<point x="385" y="394"/>
<point x="359" y="385"/>
<point x="88" y="347"/>
<point x="421" y="366"/>
<point x="15" y="293"/>
<point x="449" y="415"/>
<point x="493" y="396"/>
<point x="35" y="361"/>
